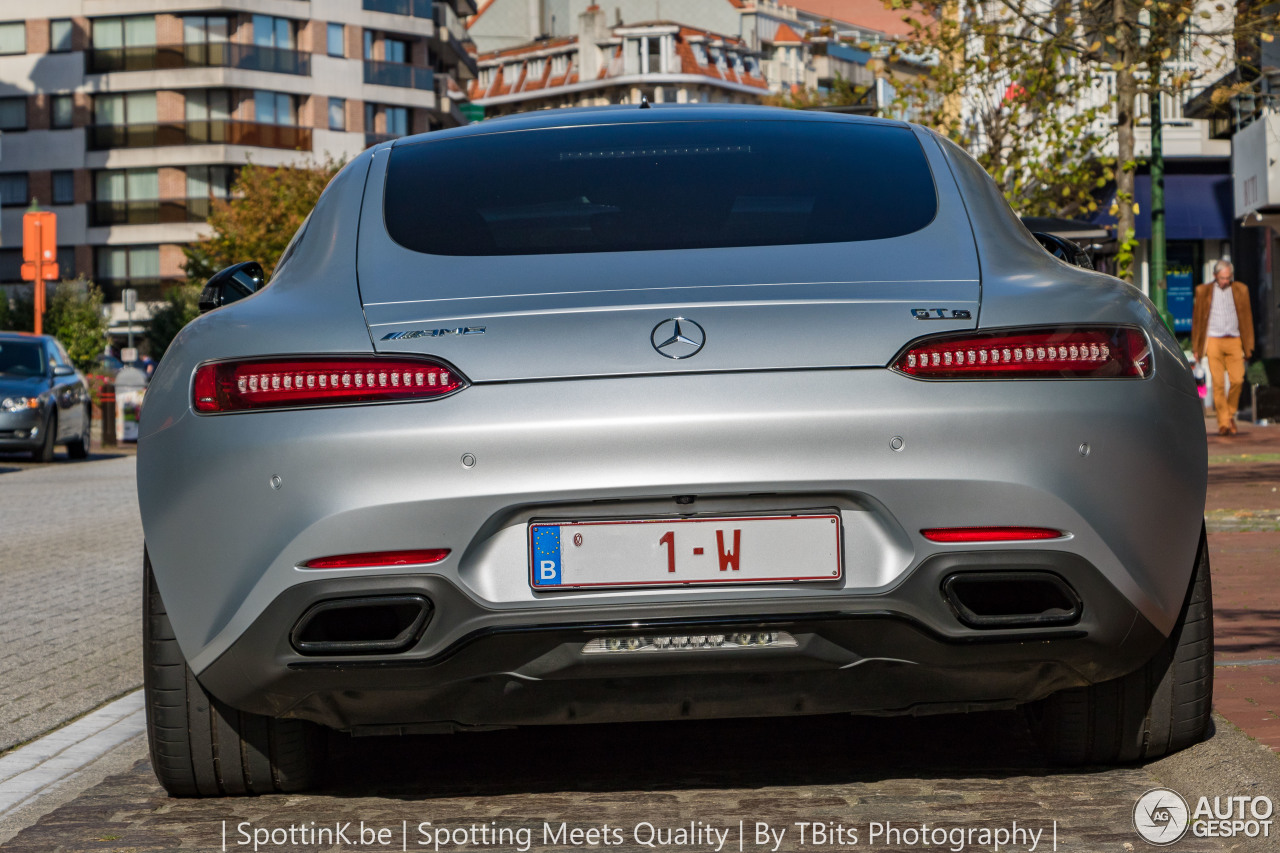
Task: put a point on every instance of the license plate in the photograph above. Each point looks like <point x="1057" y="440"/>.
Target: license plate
<point x="667" y="551"/>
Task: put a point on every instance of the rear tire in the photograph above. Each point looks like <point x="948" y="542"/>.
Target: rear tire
<point x="44" y="453"/>
<point x="1161" y="708"/>
<point x="201" y="747"/>
<point x="78" y="447"/>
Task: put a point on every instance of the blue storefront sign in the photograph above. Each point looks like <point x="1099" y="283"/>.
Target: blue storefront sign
<point x="1180" y="296"/>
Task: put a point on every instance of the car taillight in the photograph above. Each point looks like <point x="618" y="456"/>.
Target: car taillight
<point x="234" y="386"/>
<point x="1030" y="354"/>
<point x="989" y="534"/>
<point x="378" y="559"/>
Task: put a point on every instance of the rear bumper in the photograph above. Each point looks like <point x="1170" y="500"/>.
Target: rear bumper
<point x="900" y="652"/>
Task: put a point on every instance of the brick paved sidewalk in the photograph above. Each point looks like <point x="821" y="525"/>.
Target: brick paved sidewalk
<point x="1243" y="512"/>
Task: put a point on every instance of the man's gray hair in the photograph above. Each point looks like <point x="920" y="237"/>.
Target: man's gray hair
<point x="1223" y="265"/>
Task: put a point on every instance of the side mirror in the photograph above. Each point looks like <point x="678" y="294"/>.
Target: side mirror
<point x="1064" y="249"/>
<point x="231" y="284"/>
<point x="63" y="370"/>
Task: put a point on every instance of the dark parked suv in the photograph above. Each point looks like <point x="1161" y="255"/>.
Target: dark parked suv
<point x="44" y="401"/>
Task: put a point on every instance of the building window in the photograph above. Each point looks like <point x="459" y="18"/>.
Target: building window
<point x="64" y="187"/>
<point x="208" y="105"/>
<point x="131" y="108"/>
<point x="654" y="53"/>
<point x="536" y="68"/>
<point x="61" y="111"/>
<point x="10" y="266"/>
<point x="13" y="113"/>
<point x="394" y="50"/>
<point x="337" y="114"/>
<point x="203" y="29"/>
<point x="133" y="31"/>
<point x="486" y="77"/>
<point x="124" y="262"/>
<point x="13" y="190"/>
<point x="398" y="120"/>
<point x="559" y="65"/>
<point x="337" y="41"/>
<point x="273" y="108"/>
<point x="125" y="185"/>
<point x="13" y="37"/>
<point x="66" y="262"/>
<point x="269" y="31"/>
<point x="210" y="181"/>
<point x="368" y="44"/>
<point x="700" y="54"/>
<point x="59" y="35"/>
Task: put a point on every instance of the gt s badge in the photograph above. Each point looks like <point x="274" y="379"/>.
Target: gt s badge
<point x="941" y="314"/>
<point x="433" y="333"/>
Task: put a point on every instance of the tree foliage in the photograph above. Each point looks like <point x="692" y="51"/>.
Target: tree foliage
<point x="167" y="319"/>
<point x="1023" y="104"/>
<point x="74" y="317"/>
<point x="267" y="206"/>
<point x="1049" y="53"/>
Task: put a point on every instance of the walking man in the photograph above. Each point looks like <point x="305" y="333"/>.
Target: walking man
<point x="1222" y="327"/>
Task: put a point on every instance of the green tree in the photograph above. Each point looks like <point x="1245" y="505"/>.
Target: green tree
<point x="267" y="206"/>
<point x="1137" y="48"/>
<point x="1017" y="99"/>
<point x="167" y="319"/>
<point x="75" y="318"/>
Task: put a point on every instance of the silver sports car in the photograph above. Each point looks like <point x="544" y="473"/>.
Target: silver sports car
<point x="682" y="412"/>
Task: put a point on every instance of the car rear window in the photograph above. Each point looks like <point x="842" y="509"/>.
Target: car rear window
<point x="660" y="185"/>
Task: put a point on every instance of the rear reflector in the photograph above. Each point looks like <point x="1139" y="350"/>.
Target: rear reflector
<point x="232" y="386"/>
<point x="378" y="559"/>
<point x="989" y="534"/>
<point x="1060" y="353"/>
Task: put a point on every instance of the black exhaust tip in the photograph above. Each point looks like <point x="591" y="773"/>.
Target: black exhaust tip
<point x="1027" y="599"/>
<point x="357" y="626"/>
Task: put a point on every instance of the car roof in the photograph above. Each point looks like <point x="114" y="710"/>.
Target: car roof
<point x="24" y="336"/>
<point x="632" y="114"/>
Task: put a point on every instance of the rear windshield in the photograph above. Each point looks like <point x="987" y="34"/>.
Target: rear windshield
<point x="663" y="185"/>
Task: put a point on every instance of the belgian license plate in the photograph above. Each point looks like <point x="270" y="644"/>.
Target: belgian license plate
<point x="667" y="551"/>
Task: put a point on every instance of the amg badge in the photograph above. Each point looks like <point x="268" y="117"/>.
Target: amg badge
<point x="433" y="333"/>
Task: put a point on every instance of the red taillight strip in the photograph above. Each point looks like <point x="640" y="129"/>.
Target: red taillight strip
<point x="378" y="559"/>
<point x="989" y="534"/>
<point x="1057" y="353"/>
<point x="233" y="386"/>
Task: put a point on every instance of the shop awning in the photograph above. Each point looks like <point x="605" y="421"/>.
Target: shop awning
<point x="1197" y="207"/>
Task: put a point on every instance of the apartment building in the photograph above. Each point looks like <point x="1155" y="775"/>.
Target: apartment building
<point x="128" y="118"/>
<point x="659" y="61"/>
<point x="803" y="45"/>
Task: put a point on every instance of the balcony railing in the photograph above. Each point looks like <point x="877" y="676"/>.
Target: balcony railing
<point x="398" y="74"/>
<point x="416" y="8"/>
<point x="248" y="57"/>
<point x="150" y="212"/>
<point x="450" y="32"/>
<point x="217" y="132"/>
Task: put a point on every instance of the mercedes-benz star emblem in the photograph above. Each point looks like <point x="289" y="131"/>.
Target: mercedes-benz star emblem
<point x="678" y="338"/>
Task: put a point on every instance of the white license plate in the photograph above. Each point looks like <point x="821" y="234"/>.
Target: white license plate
<point x="666" y="551"/>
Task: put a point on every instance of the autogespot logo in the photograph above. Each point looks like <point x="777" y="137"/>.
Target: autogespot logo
<point x="1161" y="816"/>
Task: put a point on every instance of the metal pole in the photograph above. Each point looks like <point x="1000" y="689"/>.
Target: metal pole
<point x="1156" y="282"/>
<point x="39" y="288"/>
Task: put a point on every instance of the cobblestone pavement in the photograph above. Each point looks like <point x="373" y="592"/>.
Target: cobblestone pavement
<point x="70" y="574"/>
<point x="949" y="773"/>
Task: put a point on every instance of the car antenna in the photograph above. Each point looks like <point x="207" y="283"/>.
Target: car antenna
<point x="644" y="102"/>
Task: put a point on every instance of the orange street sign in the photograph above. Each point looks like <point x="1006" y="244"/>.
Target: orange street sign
<point x="48" y="271"/>
<point x="40" y="236"/>
<point x="39" y="255"/>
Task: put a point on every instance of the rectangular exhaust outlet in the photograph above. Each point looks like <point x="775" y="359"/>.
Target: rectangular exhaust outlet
<point x="383" y="624"/>
<point x="1030" y="599"/>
